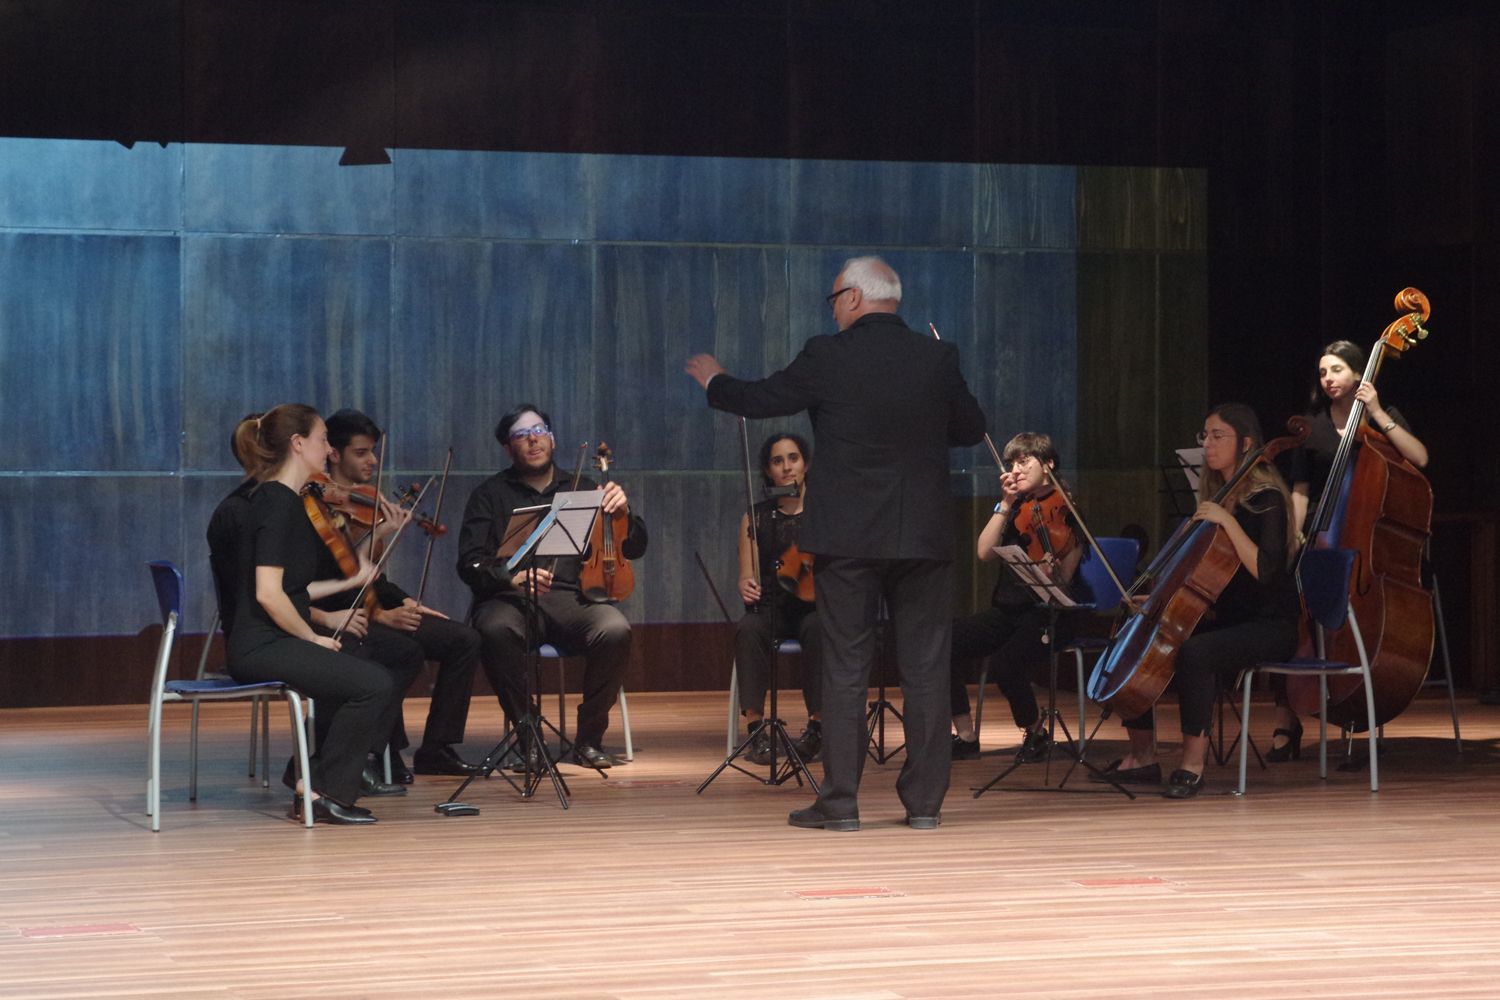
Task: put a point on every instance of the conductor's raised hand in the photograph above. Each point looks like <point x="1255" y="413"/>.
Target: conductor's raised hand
<point x="704" y="367"/>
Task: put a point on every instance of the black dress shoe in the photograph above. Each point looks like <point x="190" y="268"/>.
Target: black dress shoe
<point x="760" y="746"/>
<point x="1183" y="785"/>
<point x="370" y="784"/>
<point x="965" y="749"/>
<point x="1291" y="749"/>
<point x="443" y="760"/>
<point x="1148" y="775"/>
<point x="326" y="810"/>
<point x="400" y="773"/>
<point x="810" y="744"/>
<point x="589" y="756"/>
<point x="813" y="818"/>
<point x="1034" y="746"/>
<point x="924" y="822"/>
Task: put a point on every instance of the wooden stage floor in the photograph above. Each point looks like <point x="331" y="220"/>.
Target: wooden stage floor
<point x="644" y="890"/>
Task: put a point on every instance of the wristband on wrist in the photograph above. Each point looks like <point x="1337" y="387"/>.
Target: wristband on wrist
<point x="1388" y="427"/>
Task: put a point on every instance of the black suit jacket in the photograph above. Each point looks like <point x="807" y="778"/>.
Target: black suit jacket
<point x="886" y="404"/>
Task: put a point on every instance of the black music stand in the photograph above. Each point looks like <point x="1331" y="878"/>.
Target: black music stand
<point x="877" y="710"/>
<point x="1055" y="600"/>
<point x="564" y="531"/>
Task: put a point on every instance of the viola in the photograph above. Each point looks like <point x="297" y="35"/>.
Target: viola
<point x="1190" y="572"/>
<point x="1378" y="504"/>
<point x="1043" y="523"/>
<point x="605" y="576"/>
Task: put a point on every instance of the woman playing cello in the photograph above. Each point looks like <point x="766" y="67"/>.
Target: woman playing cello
<point x="1338" y="387"/>
<point x="1255" y="616"/>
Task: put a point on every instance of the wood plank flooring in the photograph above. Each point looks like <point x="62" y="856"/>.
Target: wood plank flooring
<point x="645" y="890"/>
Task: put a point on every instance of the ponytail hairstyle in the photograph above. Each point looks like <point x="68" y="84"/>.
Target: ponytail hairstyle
<point x="1350" y="354"/>
<point x="263" y="443"/>
<point x="246" y="425"/>
<point x="1263" y="476"/>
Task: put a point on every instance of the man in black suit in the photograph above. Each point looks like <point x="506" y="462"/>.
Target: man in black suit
<point x="886" y="404"/>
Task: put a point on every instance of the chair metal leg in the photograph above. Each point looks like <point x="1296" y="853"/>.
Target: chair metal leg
<point x="625" y="724"/>
<point x="1322" y="724"/>
<point x="385" y="764"/>
<point x="984" y="677"/>
<point x="733" y="737"/>
<point x="193" y="756"/>
<point x="265" y="741"/>
<point x="1245" y="727"/>
<point x="153" y="765"/>
<point x="1374" y="733"/>
<point x="300" y="733"/>
<point x="1442" y="631"/>
<point x="254" y="704"/>
<point x="562" y="703"/>
<point x="1083" y="718"/>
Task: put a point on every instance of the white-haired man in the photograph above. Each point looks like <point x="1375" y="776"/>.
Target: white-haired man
<point x="886" y="404"/>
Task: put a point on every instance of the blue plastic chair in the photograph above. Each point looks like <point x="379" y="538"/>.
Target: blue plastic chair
<point x="167" y="580"/>
<point x="1325" y="591"/>
<point x="1096" y="591"/>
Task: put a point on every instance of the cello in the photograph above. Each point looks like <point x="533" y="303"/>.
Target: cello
<point x="1190" y="572"/>
<point x="1379" y="505"/>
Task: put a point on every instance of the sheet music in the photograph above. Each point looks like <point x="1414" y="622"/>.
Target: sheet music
<point x="1191" y="461"/>
<point x="1031" y="574"/>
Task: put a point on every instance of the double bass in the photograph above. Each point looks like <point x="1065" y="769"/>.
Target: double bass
<point x="1188" y="574"/>
<point x="1379" y="505"/>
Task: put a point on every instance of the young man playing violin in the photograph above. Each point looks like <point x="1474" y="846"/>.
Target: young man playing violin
<point x="1013" y="628"/>
<point x="353" y="437"/>
<point x="564" y="617"/>
<point x="772" y="611"/>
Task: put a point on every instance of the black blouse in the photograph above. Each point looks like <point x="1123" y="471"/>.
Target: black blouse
<point x="277" y="533"/>
<point x="1272" y="593"/>
<point x="1313" y="461"/>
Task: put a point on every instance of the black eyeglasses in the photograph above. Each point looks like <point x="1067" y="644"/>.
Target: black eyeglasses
<point x="836" y="293"/>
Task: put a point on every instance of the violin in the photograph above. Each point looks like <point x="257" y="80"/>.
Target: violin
<point x="324" y="522"/>
<point x="360" y="506"/>
<point x="1043" y="523"/>
<point x="605" y="576"/>
<point x="794" y="572"/>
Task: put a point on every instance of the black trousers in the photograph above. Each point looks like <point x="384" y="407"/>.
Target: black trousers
<point x="919" y="596"/>
<point x="353" y="695"/>
<point x="399" y="655"/>
<point x="1212" y="656"/>
<point x="597" y="632"/>
<point x="454" y="647"/>
<point x="1014" y="638"/>
<point x="754" y="635"/>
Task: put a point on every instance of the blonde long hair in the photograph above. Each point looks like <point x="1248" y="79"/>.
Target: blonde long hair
<point x="1262" y="476"/>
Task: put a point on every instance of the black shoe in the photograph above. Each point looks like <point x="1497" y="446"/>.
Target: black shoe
<point x="924" y="822"/>
<point x="589" y="756"/>
<point x="1148" y="775"/>
<point x="965" y="749"/>
<point x="1183" y="785"/>
<point x="441" y="760"/>
<point x="1291" y="749"/>
<point x="400" y="773"/>
<point x="760" y="747"/>
<point x="812" y="818"/>
<point x="1034" y="746"/>
<point x="370" y="784"/>
<point x="810" y="744"/>
<point x="325" y="810"/>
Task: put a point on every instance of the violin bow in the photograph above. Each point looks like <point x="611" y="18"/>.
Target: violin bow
<point x="379" y="475"/>
<point x="437" y="518"/>
<point x="380" y="564"/>
<point x="1093" y="544"/>
<point x="988" y="443"/>
<point x="750" y="498"/>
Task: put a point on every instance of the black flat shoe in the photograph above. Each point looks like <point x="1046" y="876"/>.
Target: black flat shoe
<point x="965" y="749"/>
<point x="587" y="756"/>
<point x="325" y="810"/>
<point x="370" y="784"/>
<point x="1291" y="749"/>
<point x="1183" y="785"/>
<point x="812" y="818"/>
<point x="1034" y="747"/>
<point x="400" y="773"/>
<point x="443" y="760"/>
<point x="1148" y="775"/>
<point x="924" y="822"/>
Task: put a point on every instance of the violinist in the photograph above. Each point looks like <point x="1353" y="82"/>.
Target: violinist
<point x="276" y="577"/>
<point x="772" y="611"/>
<point x="1013" y="628"/>
<point x="1255" y="616"/>
<point x="353" y="437"/>
<point x="563" y="616"/>
<point x="1339" y="385"/>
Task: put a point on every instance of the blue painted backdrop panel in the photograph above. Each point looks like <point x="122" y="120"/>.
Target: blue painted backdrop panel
<point x="528" y="196"/>
<point x="72" y="184"/>
<point x="658" y="305"/>
<point x="480" y="328"/>
<point x="90" y="348"/>
<point x="693" y="199"/>
<point x="272" y="321"/>
<point x="882" y="204"/>
<point x="1026" y="206"/>
<point x="282" y="189"/>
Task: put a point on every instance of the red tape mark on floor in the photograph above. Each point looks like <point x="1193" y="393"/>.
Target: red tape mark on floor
<point x="846" y="893"/>
<point x="75" y="929"/>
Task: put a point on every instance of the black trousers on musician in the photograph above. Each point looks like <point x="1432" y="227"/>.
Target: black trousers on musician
<point x="1212" y="656"/>
<point x="1013" y="636"/>
<point x="755" y="634"/>
<point x="401" y="657"/>
<point x="919" y="598"/>
<point x="597" y="632"/>
<point x="454" y="647"/>
<point x="352" y="694"/>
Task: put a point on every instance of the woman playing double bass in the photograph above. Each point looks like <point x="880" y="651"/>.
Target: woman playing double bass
<point x="1255" y="616"/>
<point x="1333" y="397"/>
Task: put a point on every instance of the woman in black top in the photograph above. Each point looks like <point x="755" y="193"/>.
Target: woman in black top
<point x="1255" y="617"/>
<point x="273" y="638"/>
<point x="771" y="611"/>
<point x="1333" y="398"/>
